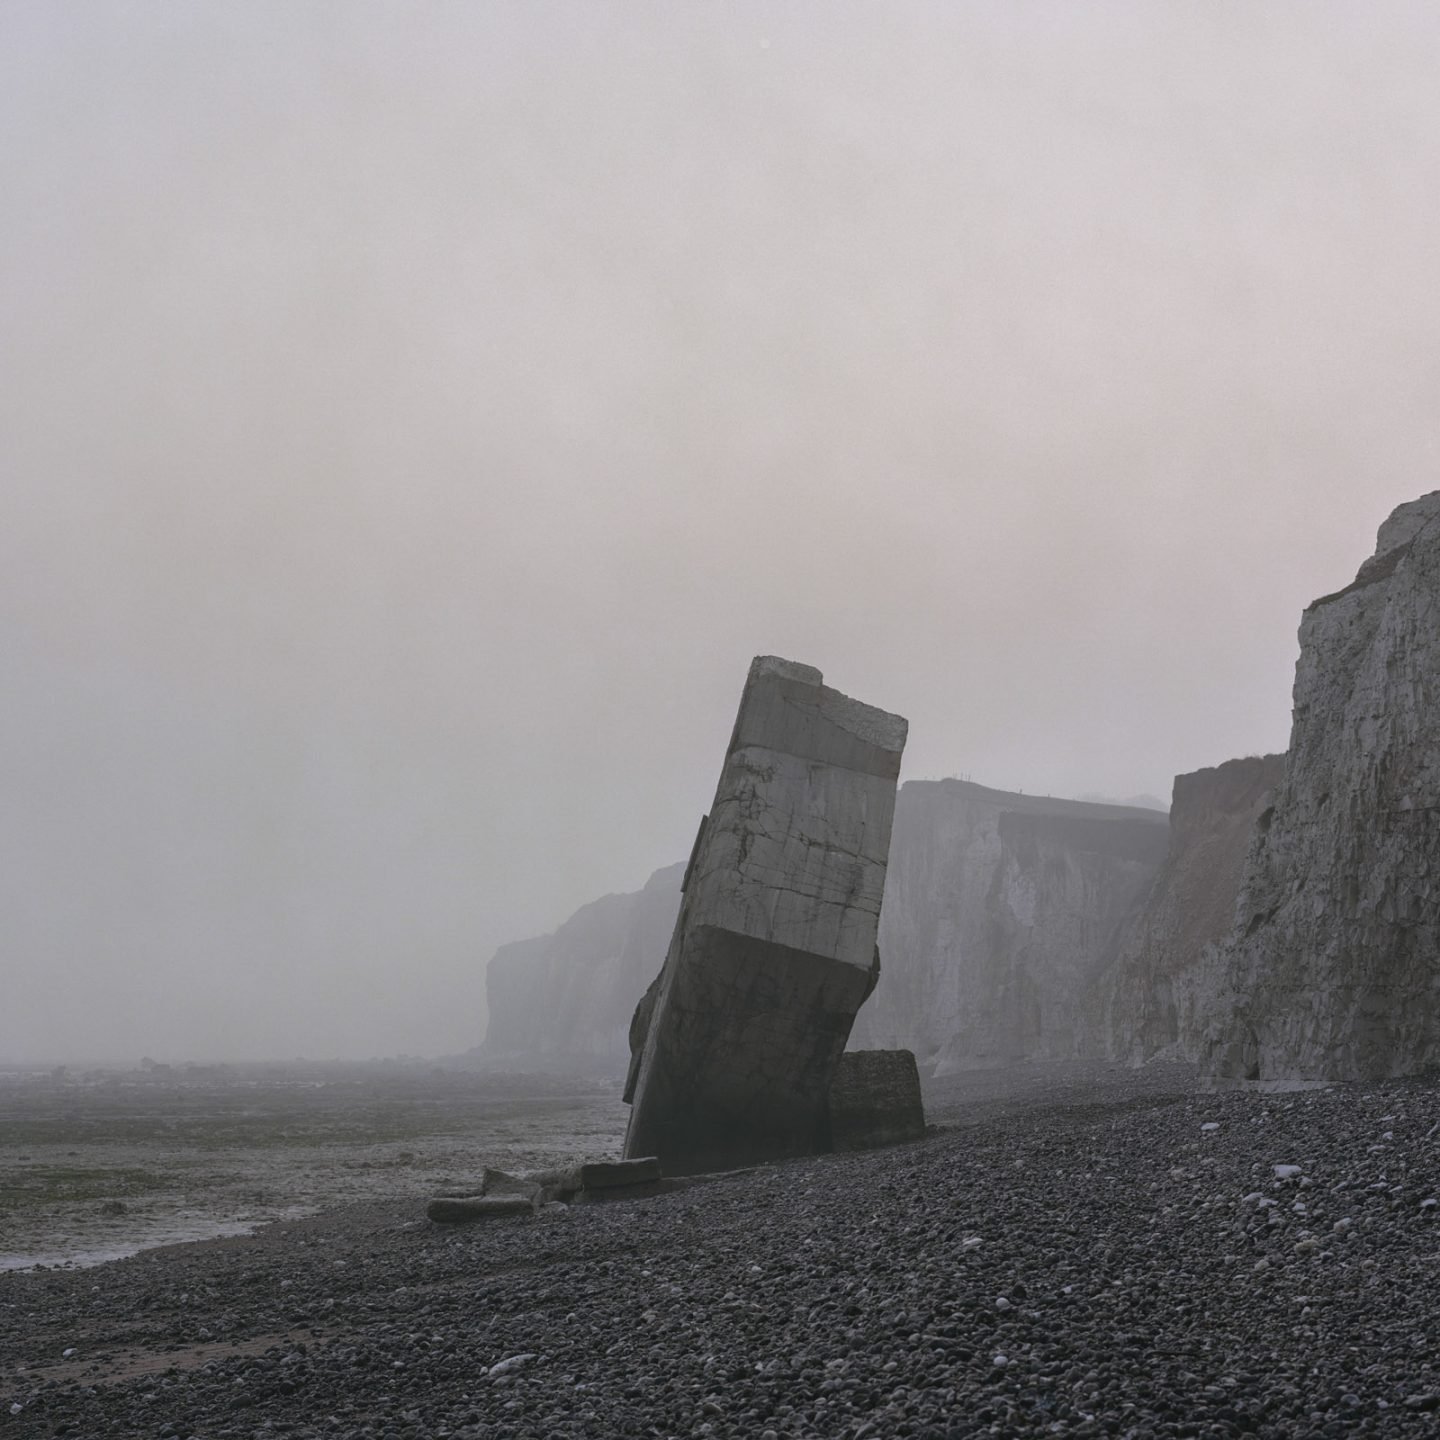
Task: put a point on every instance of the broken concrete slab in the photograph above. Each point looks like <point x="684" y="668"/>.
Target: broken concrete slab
<point x="456" y="1209"/>
<point x="774" y="948"/>
<point x="875" y="1100"/>
<point x="610" y="1174"/>
<point x="554" y="1183"/>
<point x="501" y="1182"/>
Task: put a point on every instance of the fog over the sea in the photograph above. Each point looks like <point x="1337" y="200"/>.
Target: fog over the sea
<point x="413" y="419"/>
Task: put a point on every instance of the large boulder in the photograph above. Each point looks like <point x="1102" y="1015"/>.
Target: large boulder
<point x="774" y="949"/>
<point x="1334" y="968"/>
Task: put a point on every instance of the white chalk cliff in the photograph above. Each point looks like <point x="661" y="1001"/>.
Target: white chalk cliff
<point x="1001" y="912"/>
<point x="1334" y="968"/>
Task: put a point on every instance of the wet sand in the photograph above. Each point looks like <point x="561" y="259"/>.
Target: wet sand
<point x="92" y="1171"/>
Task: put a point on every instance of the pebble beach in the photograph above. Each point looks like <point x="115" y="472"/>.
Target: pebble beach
<point x="1069" y="1253"/>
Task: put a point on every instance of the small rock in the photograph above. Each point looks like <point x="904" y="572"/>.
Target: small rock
<point x="513" y="1362"/>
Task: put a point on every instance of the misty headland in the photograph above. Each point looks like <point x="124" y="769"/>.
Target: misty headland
<point x="1075" y="1247"/>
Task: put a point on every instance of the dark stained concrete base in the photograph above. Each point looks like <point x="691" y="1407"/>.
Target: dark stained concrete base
<point x="745" y="1041"/>
<point x="875" y="1100"/>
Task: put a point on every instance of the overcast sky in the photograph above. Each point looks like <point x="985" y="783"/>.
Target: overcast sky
<point x="413" y="418"/>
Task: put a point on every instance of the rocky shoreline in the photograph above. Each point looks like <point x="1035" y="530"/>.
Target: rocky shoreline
<point x="1117" y="1255"/>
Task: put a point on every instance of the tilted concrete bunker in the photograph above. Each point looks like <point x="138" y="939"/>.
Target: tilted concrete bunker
<point x="774" y="949"/>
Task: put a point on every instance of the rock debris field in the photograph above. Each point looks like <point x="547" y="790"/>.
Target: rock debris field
<point x="1122" y="1256"/>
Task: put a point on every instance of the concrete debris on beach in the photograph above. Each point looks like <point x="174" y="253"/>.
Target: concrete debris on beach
<point x="590" y="1182"/>
<point x="774" y="949"/>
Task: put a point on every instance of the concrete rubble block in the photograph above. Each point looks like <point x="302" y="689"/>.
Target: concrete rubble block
<point x="554" y="1183"/>
<point x="500" y="1182"/>
<point x="774" y="948"/>
<point x="613" y="1174"/>
<point x="456" y="1209"/>
<point x="875" y="1100"/>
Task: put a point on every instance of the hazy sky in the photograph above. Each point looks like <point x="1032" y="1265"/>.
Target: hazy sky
<point x="414" y="417"/>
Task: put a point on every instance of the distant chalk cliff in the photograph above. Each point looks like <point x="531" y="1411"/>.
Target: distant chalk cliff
<point x="563" y="1002"/>
<point x="1000" y="912"/>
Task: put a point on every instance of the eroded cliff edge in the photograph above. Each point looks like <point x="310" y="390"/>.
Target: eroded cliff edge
<point x="1334" y="968"/>
<point x="1160" y="997"/>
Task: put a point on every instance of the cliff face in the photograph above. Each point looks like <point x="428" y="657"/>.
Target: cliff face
<point x="1160" y="995"/>
<point x="1001" y="911"/>
<point x="563" y="1002"/>
<point x="1334" y="969"/>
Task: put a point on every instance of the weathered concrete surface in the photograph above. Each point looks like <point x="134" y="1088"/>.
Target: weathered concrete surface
<point x="501" y="1182"/>
<point x="875" y="1100"/>
<point x="1334" y="968"/>
<point x="458" y="1209"/>
<point x="613" y="1174"/>
<point x="774" y="948"/>
<point x="1159" y="997"/>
